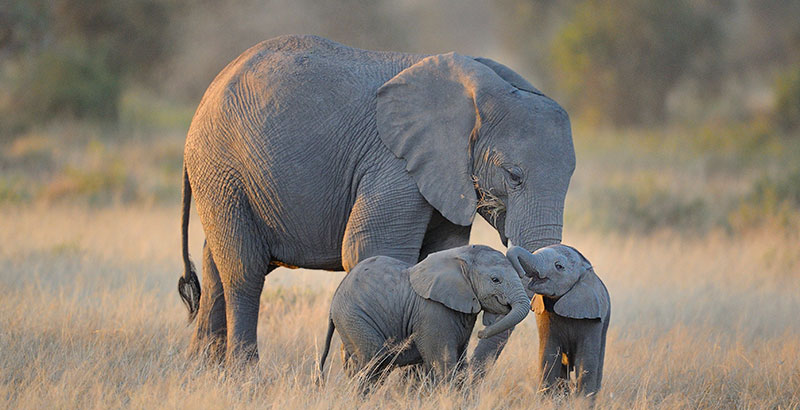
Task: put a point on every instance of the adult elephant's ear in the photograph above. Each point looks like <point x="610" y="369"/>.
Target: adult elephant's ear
<point x="509" y="75"/>
<point x="588" y="299"/>
<point x="427" y="115"/>
<point x="441" y="277"/>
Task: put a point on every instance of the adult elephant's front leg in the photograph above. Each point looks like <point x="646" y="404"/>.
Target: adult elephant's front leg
<point x="442" y="234"/>
<point x="389" y="218"/>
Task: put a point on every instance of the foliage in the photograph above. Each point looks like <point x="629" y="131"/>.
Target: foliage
<point x="619" y="59"/>
<point x="773" y="201"/>
<point x="621" y="62"/>
<point x="787" y="99"/>
<point x="71" y="57"/>
<point x="644" y="207"/>
<point x="77" y="162"/>
<point x="72" y="81"/>
<point x="132" y="33"/>
<point x="741" y="139"/>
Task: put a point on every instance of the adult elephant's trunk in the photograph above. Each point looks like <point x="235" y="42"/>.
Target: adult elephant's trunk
<point x="520" y="306"/>
<point x="537" y="225"/>
<point x="531" y="224"/>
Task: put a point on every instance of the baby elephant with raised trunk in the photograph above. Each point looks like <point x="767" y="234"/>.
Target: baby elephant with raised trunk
<point x="391" y="313"/>
<point x="572" y="309"/>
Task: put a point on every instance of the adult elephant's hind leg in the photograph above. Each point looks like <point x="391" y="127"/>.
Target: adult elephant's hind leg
<point x="210" y="330"/>
<point x="242" y="256"/>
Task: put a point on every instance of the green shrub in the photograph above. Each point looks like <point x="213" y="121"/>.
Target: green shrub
<point x="743" y="139"/>
<point x="644" y="207"/>
<point x="618" y="59"/>
<point x="140" y="109"/>
<point x="787" y="99"/>
<point x="71" y="58"/>
<point x="109" y="182"/>
<point x="772" y="200"/>
<point x="13" y="190"/>
<point x="69" y="81"/>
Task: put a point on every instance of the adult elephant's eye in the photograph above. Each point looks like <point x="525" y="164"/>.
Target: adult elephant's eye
<point x="514" y="175"/>
<point x="495" y="279"/>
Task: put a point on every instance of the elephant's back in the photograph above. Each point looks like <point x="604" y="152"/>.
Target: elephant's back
<point x="296" y="87"/>
<point x="297" y="74"/>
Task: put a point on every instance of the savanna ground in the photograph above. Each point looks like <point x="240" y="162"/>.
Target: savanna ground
<point x="695" y="233"/>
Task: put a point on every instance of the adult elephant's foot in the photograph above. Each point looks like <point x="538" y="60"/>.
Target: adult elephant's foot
<point x="243" y="354"/>
<point x="210" y="348"/>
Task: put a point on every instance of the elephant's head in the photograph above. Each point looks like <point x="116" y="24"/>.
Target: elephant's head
<point x="562" y="273"/>
<point x="471" y="278"/>
<point x="476" y="136"/>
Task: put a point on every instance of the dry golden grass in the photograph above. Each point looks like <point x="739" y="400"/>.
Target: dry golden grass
<point x="90" y="318"/>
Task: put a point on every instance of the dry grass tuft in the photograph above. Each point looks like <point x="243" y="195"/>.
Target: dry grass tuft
<point x="90" y="318"/>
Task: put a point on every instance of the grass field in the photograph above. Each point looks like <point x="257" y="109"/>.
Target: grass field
<point x="705" y="297"/>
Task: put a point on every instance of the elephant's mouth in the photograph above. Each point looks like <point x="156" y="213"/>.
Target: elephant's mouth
<point x="536" y="282"/>
<point x="506" y="307"/>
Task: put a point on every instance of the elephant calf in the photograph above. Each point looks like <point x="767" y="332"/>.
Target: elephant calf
<point x="391" y="313"/>
<point x="572" y="309"/>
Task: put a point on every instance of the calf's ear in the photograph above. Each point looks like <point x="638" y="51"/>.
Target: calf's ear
<point x="442" y="277"/>
<point x="588" y="299"/>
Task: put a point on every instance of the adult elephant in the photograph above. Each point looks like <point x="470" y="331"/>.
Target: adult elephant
<point x="308" y="153"/>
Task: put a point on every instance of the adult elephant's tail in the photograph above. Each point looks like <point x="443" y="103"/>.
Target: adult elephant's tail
<point x="188" y="285"/>
<point x="324" y="356"/>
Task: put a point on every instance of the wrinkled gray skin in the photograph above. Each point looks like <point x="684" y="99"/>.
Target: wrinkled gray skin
<point x="384" y="302"/>
<point x="307" y="153"/>
<point x="572" y="309"/>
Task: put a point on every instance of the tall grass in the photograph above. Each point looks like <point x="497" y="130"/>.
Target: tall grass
<point x="90" y="319"/>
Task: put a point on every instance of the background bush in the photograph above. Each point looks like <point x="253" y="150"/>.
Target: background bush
<point x="618" y="60"/>
<point x="680" y="109"/>
<point x="787" y="96"/>
<point x="65" y="80"/>
<point x="72" y="58"/>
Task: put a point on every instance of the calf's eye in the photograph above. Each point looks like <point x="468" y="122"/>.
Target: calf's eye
<point x="559" y="266"/>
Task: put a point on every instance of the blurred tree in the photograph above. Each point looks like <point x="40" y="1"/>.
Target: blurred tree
<point x="23" y="25"/>
<point x="70" y="57"/>
<point x="133" y="33"/>
<point x="618" y="59"/>
<point x="68" y="79"/>
<point x="528" y="28"/>
<point x="787" y="99"/>
<point x="773" y="33"/>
